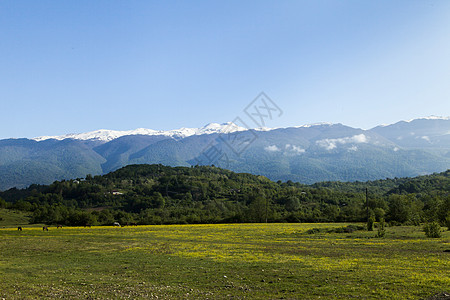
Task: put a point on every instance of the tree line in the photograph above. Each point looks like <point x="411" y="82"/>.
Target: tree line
<point x="158" y="194"/>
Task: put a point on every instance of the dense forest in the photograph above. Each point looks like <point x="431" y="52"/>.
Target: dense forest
<point x="157" y="194"/>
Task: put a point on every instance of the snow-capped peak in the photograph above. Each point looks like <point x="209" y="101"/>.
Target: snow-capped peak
<point x="108" y="135"/>
<point x="315" y="124"/>
<point x="421" y="118"/>
<point x="430" y="118"/>
<point x="104" y="135"/>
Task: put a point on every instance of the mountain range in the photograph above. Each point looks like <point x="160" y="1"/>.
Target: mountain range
<point x="307" y="153"/>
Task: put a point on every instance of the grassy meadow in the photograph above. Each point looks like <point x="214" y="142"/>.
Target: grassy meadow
<point x="253" y="261"/>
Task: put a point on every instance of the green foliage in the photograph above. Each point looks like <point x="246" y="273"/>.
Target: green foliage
<point x="379" y="213"/>
<point x="432" y="230"/>
<point x="157" y="194"/>
<point x="2" y="203"/>
<point x="381" y="231"/>
<point x="370" y="221"/>
<point x="399" y="208"/>
<point x="159" y="202"/>
<point x="346" y="229"/>
<point x="292" y="204"/>
<point x="447" y="221"/>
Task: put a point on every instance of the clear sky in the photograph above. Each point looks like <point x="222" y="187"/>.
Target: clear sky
<point x="77" y="66"/>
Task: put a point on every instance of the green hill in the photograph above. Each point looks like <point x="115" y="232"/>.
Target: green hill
<point x="158" y="194"/>
<point x="12" y="218"/>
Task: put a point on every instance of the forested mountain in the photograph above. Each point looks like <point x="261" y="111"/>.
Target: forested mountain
<point x="307" y="154"/>
<point x="157" y="194"/>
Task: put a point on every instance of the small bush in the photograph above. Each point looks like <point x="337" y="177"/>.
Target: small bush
<point x="432" y="230"/>
<point x="394" y="223"/>
<point x="370" y="222"/>
<point x="336" y="230"/>
<point x="381" y="231"/>
<point x="313" y="230"/>
<point x="447" y="222"/>
<point x="347" y="229"/>
<point x="351" y="228"/>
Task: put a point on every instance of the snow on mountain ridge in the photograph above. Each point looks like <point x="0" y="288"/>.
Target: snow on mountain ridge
<point x="430" y="118"/>
<point x="229" y="127"/>
<point x="109" y="135"/>
<point x="421" y="118"/>
<point x="314" y="125"/>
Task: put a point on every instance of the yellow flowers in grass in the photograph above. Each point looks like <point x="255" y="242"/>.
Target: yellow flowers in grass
<point x="403" y="263"/>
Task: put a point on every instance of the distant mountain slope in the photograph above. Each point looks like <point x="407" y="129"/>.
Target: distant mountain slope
<point x="333" y="152"/>
<point x="118" y="151"/>
<point x="306" y="154"/>
<point x="24" y="162"/>
<point x="433" y="133"/>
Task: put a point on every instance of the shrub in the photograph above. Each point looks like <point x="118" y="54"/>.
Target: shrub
<point x="313" y="230"/>
<point x="381" y="231"/>
<point x="432" y="230"/>
<point x="395" y="223"/>
<point x="447" y="222"/>
<point x="370" y="222"/>
<point x="351" y="228"/>
<point x="346" y="229"/>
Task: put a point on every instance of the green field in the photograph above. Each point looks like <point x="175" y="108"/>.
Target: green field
<point x="253" y="261"/>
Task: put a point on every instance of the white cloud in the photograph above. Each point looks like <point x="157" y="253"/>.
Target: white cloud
<point x="353" y="148"/>
<point x="426" y="138"/>
<point x="330" y="144"/>
<point x="272" y="148"/>
<point x="396" y="149"/>
<point x="360" y="138"/>
<point x="298" y="149"/>
<point x="294" y="149"/>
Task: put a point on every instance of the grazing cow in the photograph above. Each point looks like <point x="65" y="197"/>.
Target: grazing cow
<point x="116" y="224"/>
<point x="89" y="226"/>
<point x="45" y="228"/>
<point x="58" y="226"/>
<point x="19" y="228"/>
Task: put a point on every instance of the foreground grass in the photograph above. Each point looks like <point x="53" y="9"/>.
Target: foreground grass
<point x="265" y="261"/>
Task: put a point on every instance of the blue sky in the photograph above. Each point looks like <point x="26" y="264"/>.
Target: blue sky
<point x="77" y="66"/>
